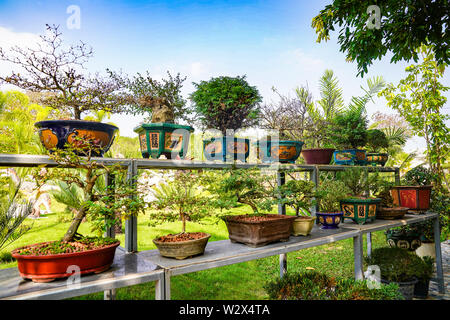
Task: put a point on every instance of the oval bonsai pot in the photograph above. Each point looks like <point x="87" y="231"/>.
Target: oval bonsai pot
<point x="56" y="133"/>
<point x="284" y="151"/>
<point x="329" y="220"/>
<point x="303" y="225"/>
<point x="412" y="197"/>
<point x="50" y="267"/>
<point x="318" y="156"/>
<point x="259" y="230"/>
<point x="391" y="213"/>
<point x="377" y="159"/>
<point x="168" y="139"/>
<point x="360" y="210"/>
<point x="226" y="148"/>
<point x="182" y="249"/>
<point x="350" y="157"/>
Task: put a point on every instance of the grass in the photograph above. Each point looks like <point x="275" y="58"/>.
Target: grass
<point x="243" y="281"/>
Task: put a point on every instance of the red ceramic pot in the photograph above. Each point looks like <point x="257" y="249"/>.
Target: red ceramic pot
<point x="412" y="197"/>
<point x="50" y="267"/>
<point x="317" y="156"/>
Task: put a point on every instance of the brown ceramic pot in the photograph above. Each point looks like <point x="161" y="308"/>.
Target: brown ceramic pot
<point x="317" y="156"/>
<point x="182" y="249"/>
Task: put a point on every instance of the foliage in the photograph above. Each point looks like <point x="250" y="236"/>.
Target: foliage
<point x="13" y="212"/>
<point x="350" y="129"/>
<point x="376" y="140"/>
<point x="418" y="176"/>
<point x="251" y="187"/>
<point x="419" y="98"/>
<point x="358" y="180"/>
<point x="313" y="285"/>
<point x="149" y="94"/>
<point x="100" y="202"/>
<point x="182" y="198"/>
<point x="124" y="147"/>
<point x="383" y="192"/>
<point x="402" y="29"/>
<point x="396" y="264"/>
<point x="331" y="192"/>
<point x="56" y="73"/>
<point x="298" y="194"/>
<point x="226" y="103"/>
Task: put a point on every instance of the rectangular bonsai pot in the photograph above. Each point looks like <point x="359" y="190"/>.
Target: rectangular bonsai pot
<point x="259" y="232"/>
<point x="412" y="197"/>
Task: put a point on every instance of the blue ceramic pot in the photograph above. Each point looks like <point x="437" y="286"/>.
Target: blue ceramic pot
<point x="226" y="148"/>
<point x="350" y="157"/>
<point x="284" y="151"/>
<point x="329" y="220"/>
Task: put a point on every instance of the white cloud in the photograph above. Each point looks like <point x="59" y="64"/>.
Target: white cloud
<point x="305" y="61"/>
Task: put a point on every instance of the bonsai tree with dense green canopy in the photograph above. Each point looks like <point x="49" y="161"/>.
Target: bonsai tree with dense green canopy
<point x="376" y="140"/>
<point x="226" y="103"/>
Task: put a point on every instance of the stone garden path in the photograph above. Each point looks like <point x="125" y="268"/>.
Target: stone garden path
<point x="434" y="291"/>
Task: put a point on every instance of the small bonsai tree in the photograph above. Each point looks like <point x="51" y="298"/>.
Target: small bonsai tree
<point x="331" y="192"/>
<point x="349" y="129"/>
<point x="181" y="199"/>
<point x="359" y="181"/>
<point x="418" y="176"/>
<point x="226" y="103"/>
<point x="298" y="194"/>
<point x="377" y="141"/>
<point x="55" y="72"/>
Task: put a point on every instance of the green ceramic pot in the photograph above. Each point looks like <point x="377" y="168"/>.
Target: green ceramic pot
<point x="360" y="210"/>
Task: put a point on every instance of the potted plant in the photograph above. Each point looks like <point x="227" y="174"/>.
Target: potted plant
<point x="250" y="187"/>
<point x="387" y="209"/>
<point x="298" y="194"/>
<point x="349" y="133"/>
<point x="331" y="192"/>
<point x="415" y="191"/>
<point x="163" y="101"/>
<point x="314" y="285"/>
<point x="271" y="150"/>
<point x="181" y="199"/>
<point x="399" y="266"/>
<point x="54" y="73"/>
<point x="360" y="206"/>
<point x="377" y="142"/>
<point x="404" y="237"/>
<point x="424" y="274"/>
<point x="44" y="262"/>
<point x="226" y="103"/>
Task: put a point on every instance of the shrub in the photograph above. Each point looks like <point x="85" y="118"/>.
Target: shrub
<point x="349" y="129"/>
<point x="376" y="140"/>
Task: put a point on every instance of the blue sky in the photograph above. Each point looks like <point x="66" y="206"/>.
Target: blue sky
<point x="272" y="42"/>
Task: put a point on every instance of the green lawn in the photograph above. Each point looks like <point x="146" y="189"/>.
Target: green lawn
<point x="239" y="281"/>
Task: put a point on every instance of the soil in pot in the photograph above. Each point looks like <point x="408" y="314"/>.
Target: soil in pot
<point x="182" y="245"/>
<point x="47" y="261"/>
<point x="259" y="230"/>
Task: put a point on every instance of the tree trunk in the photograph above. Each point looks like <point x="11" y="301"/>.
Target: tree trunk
<point x="73" y="228"/>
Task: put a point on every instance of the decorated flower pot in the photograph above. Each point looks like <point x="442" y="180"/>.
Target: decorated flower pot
<point x="406" y="240"/>
<point x="166" y="139"/>
<point x="56" y="133"/>
<point x="318" y="156"/>
<point x="303" y="226"/>
<point x="284" y="151"/>
<point x="46" y="268"/>
<point x="377" y="159"/>
<point x="259" y="230"/>
<point x="391" y="213"/>
<point x="412" y="197"/>
<point x="226" y="148"/>
<point x="329" y="220"/>
<point x="350" y="157"/>
<point x="360" y="210"/>
<point x="183" y="249"/>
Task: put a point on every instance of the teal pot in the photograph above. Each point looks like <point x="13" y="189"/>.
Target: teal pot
<point x="284" y="151"/>
<point x="406" y="288"/>
<point x="360" y="210"/>
<point x="377" y="159"/>
<point x="226" y="148"/>
<point x="350" y="157"/>
<point x="168" y="139"/>
<point x="406" y="240"/>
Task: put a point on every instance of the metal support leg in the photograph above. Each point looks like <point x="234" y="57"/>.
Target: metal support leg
<point x="166" y="285"/>
<point x="358" y="256"/>
<point x="160" y="293"/>
<point x="281" y="180"/>
<point x="439" y="269"/>
<point x="397" y="176"/>
<point x="369" y="244"/>
<point x="131" y="223"/>
<point x="314" y="177"/>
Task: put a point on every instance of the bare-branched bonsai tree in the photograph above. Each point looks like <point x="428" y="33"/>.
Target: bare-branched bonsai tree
<point x="56" y="72"/>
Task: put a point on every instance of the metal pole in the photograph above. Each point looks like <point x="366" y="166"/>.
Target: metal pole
<point x="437" y="242"/>
<point x="109" y="183"/>
<point x="397" y="176"/>
<point x="281" y="180"/>
<point x="369" y="244"/>
<point x="358" y="256"/>
<point x="131" y="223"/>
<point x="314" y="177"/>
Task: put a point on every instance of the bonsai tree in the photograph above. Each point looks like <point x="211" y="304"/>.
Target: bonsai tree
<point x="55" y="72"/>
<point x="376" y="141"/>
<point x="418" y="176"/>
<point x="298" y="194"/>
<point x="226" y="103"/>
<point x="331" y="192"/>
<point x="181" y="199"/>
<point x="358" y="181"/>
<point x="349" y="129"/>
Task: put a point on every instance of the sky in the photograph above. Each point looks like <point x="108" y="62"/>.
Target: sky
<point x="271" y="42"/>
